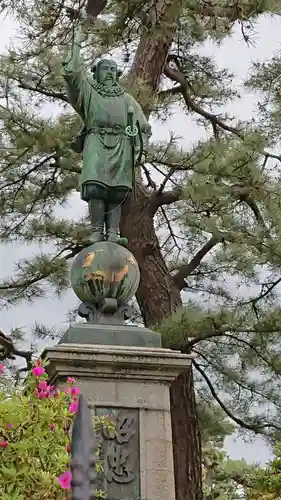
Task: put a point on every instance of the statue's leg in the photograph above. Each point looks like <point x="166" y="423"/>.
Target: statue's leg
<point x="96" y="195"/>
<point x="96" y="211"/>
<point x="112" y="222"/>
<point x="113" y="215"/>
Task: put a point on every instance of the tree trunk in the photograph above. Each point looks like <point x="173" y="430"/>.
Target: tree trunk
<point x="155" y="42"/>
<point x="158" y="296"/>
<point x="186" y="439"/>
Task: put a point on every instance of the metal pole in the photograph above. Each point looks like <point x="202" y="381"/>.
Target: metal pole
<point x="83" y="463"/>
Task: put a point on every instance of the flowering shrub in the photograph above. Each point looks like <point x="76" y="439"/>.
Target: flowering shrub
<point x="34" y="438"/>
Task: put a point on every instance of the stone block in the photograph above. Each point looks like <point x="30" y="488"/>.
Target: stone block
<point x="139" y="394"/>
<point x="157" y="365"/>
<point x="160" y="485"/>
<point x="158" y="455"/>
<point x="122" y="335"/>
<point x="155" y="424"/>
<point x="128" y="380"/>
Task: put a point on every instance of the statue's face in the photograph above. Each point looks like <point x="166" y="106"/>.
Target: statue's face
<point x="107" y="73"/>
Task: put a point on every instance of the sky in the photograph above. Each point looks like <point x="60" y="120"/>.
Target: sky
<point x="233" y="54"/>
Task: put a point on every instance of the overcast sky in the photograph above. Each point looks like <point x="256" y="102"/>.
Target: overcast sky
<point x="233" y="54"/>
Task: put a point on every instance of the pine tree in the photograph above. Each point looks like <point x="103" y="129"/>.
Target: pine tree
<point x="223" y="478"/>
<point x="266" y="483"/>
<point x="227" y="479"/>
<point x="213" y="217"/>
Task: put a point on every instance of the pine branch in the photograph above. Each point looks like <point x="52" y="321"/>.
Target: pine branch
<point x="170" y="229"/>
<point x="219" y="331"/>
<point x="269" y="288"/>
<point x="254" y="428"/>
<point x="165" y="181"/>
<point x="169" y="92"/>
<point x="168" y="197"/>
<point x="254" y="349"/>
<point x="186" y="270"/>
<point x="234" y="12"/>
<point x="243" y="194"/>
<point x="178" y="76"/>
<point x="9" y="351"/>
<point x="47" y="93"/>
<point x="150" y="181"/>
<point x="221" y="369"/>
<point x="15" y="285"/>
<point x="25" y="176"/>
<point x="164" y="198"/>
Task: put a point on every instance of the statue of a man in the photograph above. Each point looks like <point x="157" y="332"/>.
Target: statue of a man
<point x="114" y="139"/>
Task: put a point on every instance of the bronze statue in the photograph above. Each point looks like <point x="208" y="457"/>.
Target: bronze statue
<point x="113" y="141"/>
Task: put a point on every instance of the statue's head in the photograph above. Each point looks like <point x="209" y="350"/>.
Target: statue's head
<point x="106" y="72"/>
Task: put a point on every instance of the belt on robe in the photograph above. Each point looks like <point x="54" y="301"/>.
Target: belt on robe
<point x="107" y="130"/>
<point x="77" y="145"/>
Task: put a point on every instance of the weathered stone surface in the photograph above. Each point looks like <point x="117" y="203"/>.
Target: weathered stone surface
<point x="129" y="379"/>
<point x="120" y="451"/>
<point x="116" y="362"/>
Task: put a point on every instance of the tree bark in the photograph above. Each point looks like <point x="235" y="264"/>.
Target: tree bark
<point x="186" y="439"/>
<point x="154" y="45"/>
<point x="158" y="296"/>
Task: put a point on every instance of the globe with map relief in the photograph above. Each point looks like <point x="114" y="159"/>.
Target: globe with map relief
<point x="105" y="270"/>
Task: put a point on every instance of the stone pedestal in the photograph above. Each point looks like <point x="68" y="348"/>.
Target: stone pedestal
<point x="124" y="335"/>
<point x="131" y="383"/>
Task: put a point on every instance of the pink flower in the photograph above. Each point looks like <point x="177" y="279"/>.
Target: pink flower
<point x="37" y="371"/>
<point x="55" y="393"/>
<point x="3" y="444"/>
<point x="70" y="380"/>
<point x="9" y="426"/>
<point x="65" y="480"/>
<point x="2" y="368"/>
<point x="44" y="391"/>
<point x="43" y="385"/>
<point x="41" y="394"/>
<point x="73" y="407"/>
<point x="75" y="391"/>
<point x="52" y="426"/>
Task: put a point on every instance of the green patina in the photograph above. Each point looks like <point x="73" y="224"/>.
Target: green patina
<point x="125" y="335"/>
<point x="105" y="270"/>
<point x="108" y="156"/>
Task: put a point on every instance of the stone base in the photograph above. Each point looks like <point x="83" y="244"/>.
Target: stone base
<point x="130" y="379"/>
<point x="125" y="335"/>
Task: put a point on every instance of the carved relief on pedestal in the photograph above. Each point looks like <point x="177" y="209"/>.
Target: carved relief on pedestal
<point x="120" y="453"/>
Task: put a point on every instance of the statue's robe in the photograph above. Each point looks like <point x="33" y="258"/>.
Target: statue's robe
<point x="107" y="152"/>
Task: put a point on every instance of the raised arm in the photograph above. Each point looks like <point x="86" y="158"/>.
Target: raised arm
<point x="77" y="86"/>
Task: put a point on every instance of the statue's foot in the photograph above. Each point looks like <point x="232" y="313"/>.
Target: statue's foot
<point x="96" y="237"/>
<point x="115" y="238"/>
